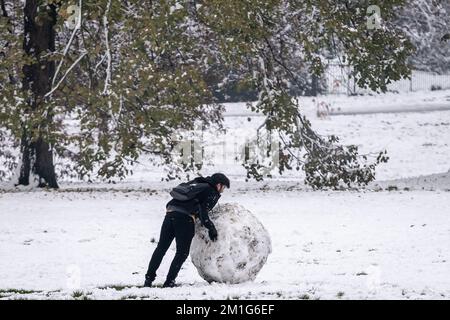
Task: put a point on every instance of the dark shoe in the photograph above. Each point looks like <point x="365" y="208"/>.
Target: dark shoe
<point x="170" y="284"/>
<point x="148" y="282"/>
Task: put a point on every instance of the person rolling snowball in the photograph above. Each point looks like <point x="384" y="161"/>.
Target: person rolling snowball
<point x="190" y="200"/>
<point x="241" y="251"/>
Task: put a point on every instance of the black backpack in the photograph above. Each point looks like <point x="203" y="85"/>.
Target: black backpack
<point x="188" y="191"/>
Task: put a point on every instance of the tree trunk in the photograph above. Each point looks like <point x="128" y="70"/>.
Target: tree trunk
<point x="43" y="165"/>
<point x="2" y="4"/>
<point x="39" y="38"/>
<point x="25" y="167"/>
<point x="314" y="85"/>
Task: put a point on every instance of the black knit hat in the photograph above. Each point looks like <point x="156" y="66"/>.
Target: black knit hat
<point x="220" y="178"/>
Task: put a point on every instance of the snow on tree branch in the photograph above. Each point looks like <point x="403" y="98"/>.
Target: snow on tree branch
<point x="69" y="43"/>
<point x="108" y="50"/>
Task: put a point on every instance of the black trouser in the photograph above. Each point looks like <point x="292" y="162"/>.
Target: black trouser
<point x="181" y="227"/>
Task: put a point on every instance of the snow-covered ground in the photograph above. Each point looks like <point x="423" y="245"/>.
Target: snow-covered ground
<point x="326" y="245"/>
<point x="390" y="241"/>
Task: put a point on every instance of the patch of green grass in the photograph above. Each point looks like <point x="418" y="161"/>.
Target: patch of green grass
<point x="17" y="291"/>
<point x="77" y="294"/>
<point x="118" y="287"/>
<point x="49" y="293"/>
<point x="80" y="295"/>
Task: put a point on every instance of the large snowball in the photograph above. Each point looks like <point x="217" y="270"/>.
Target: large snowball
<point x="240" y="251"/>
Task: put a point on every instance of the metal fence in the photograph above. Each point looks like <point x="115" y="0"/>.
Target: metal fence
<point x="338" y="81"/>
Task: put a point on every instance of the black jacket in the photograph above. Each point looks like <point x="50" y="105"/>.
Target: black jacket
<point x="201" y="205"/>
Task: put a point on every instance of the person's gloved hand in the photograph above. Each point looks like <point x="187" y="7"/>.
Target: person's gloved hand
<point x="212" y="232"/>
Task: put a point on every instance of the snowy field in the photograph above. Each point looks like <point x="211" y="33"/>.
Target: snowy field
<point x="389" y="241"/>
<point x="326" y="245"/>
